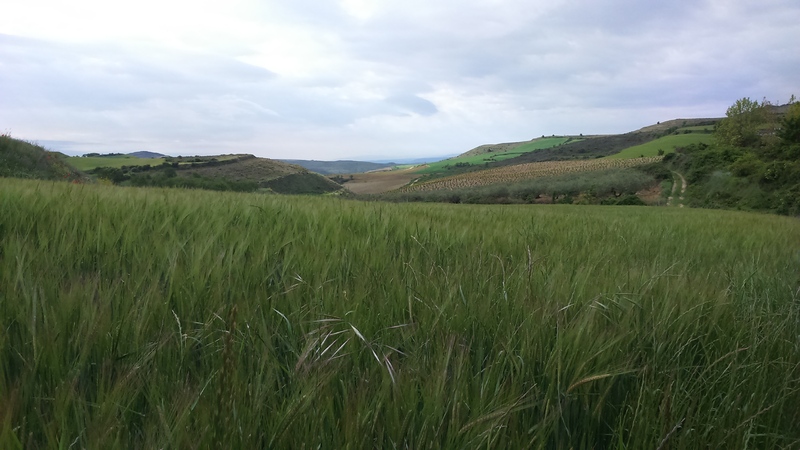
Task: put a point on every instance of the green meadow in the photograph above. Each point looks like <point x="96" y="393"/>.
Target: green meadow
<point x="536" y="144"/>
<point x="157" y="318"/>
<point x="93" y="162"/>
<point x="666" y="143"/>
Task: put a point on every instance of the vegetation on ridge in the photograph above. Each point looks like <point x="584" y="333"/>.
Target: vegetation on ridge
<point x="21" y="159"/>
<point x="753" y="163"/>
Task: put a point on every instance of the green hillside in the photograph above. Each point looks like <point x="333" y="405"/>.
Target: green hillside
<point x="150" y="318"/>
<point x="21" y="159"/>
<point x="492" y="153"/>
<point x="242" y="173"/>
<point x="663" y="145"/>
<point x="753" y="163"/>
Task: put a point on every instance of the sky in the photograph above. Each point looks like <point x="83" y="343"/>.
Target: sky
<point x="378" y="79"/>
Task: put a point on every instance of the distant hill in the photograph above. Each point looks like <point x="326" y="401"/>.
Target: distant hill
<point x="519" y="147"/>
<point x="244" y="173"/>
<point x="423" y="160"/>
<point x="279" y="176"/>
<point x="492" y="148"/>
<point x="651" y="141"/>
<point x="21" y="159"/>
<point x="147" y="155"/>
<point x="338" y="167"/>
<point x="607" y="145"/>
<point x="674" y="124"/>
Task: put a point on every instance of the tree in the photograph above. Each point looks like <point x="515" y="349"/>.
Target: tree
<point x="740" y="126"/>
<point x="789" y="129"/>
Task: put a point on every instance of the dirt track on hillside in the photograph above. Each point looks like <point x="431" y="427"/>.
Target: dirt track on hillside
<point x="675" y="189"/>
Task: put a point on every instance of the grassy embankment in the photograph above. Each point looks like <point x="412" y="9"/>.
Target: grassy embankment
<point x="149" y="318"/>
<point x="667" y="144"/>
<point x="482" y="158"/>
<point x="23" y="159"/>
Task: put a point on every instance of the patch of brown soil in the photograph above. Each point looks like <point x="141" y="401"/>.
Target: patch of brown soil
<point x="651" y="196"/>
<point x="380" y="182"/>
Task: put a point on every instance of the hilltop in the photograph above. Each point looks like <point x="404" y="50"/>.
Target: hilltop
<point x="21" y="159"/>
<point x="224" y="172"/>
<point x="146" y="155"/>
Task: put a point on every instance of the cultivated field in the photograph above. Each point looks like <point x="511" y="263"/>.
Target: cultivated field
<point x="380" y="181"/>
<point x="150" y="318"/>
<point x="515" y="173"/>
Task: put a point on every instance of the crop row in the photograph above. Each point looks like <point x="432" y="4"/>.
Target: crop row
<point x="519" y="172"/>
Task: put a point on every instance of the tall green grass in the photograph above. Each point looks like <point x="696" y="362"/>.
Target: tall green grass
<point x="147" y="318"/>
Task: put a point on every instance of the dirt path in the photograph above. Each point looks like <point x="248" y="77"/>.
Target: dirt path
<point x="675" y="188"/>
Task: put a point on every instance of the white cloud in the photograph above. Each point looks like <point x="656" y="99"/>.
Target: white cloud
<point x="339" y="79"/>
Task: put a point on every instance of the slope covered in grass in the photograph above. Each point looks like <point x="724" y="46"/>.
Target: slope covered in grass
<point x="21" y="159"/>
<point x="149" y="318"/>
<point x="753" y="163"/>
<point x="493" y="153"/>
<point x="666" y="145"/>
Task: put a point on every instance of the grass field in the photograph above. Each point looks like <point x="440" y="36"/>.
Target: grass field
<point x="697" y="129"/>
<point x="92" y="162"/>
<point x="666" y="143"/>
<point x="148" y="318"/>
<point x="537" y="144"/>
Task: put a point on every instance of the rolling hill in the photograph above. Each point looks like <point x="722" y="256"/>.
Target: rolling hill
<point x="469" y="167"/>
<point x="149" y="155"/>
<point x="22" y="159"/>
<point x="338" y="167"/>
<point x="225" y="172"/>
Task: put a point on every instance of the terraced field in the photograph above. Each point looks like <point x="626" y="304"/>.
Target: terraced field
<point x="510" y="174"/>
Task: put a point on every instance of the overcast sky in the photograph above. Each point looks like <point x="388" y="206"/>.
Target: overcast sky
<point x="377" y="79"/>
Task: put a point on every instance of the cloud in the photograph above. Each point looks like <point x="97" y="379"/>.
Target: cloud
<point x="328" y="80"/>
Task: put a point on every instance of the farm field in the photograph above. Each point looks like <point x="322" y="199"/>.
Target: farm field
<point x="380" y="181"/>
<point x="477" y="159"/>
<point x="511" y="174"/>
<point x="666" y="143"/>
<point x="157" y="318"/>
<point x="92" y="162"/>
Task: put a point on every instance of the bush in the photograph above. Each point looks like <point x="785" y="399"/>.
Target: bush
<point x="630" y="199"/>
